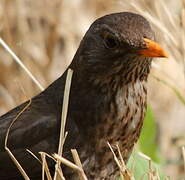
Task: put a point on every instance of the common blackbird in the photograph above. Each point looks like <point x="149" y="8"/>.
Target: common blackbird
<point x="107" y="102"/>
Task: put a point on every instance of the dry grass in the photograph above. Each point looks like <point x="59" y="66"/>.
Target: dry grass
<point x="45" y="39"/>
<point x="17" y="164"/>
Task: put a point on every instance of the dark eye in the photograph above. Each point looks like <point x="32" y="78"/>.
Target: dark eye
<point x="111" y="42"/>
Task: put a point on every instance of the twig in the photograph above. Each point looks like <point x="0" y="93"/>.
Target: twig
<point x="23" y="173"/>
<point x="183" y="154"/>
<point x="45" y="166"/>
<point x="64" y="109"/>
<point x="8" y="150"/>
<point x="21" y="64"/>
<point x="34" y="156"/>
<point x="63" y="117"/>
<point x="66" y="162"/>
<point x="79" y="164"/>
<point x="124" y="172"/>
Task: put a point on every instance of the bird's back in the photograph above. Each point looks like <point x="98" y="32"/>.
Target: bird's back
<point x="35" y="127"/>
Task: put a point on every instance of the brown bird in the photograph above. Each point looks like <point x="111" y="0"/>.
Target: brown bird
<point x="107" y="101"/>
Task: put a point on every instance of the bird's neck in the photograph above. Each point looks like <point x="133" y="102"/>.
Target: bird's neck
<point x="115" y="72"/>
<point x="114" y="79"/>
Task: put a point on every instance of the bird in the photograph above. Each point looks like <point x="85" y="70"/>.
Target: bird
<point x="107" y="102"/>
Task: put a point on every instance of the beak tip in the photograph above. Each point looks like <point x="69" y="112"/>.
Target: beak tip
<point x="164" y="55"/>
<point x="153" y="49"/>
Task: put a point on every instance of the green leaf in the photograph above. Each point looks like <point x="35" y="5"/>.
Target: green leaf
<point x="140" y="167"/>
<point x="147" y="140"/>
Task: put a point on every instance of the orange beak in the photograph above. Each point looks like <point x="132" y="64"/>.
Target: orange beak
<point x="153" y="49"/>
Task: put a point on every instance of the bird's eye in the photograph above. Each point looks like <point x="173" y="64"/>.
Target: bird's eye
<point x="110" y="42"/>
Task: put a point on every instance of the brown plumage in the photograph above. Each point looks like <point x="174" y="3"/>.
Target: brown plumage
<point x="107" y="101"/>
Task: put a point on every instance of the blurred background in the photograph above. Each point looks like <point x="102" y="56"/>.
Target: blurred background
<point x="45" y="35"/>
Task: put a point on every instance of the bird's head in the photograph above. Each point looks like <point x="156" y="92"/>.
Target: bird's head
<point x="118" y="44"/>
